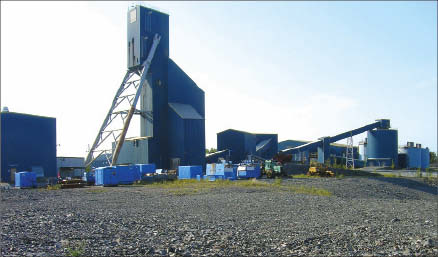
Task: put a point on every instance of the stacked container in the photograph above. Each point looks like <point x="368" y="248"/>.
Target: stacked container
<point x="230" y="173"/>
<point x="189" y="172"/>
<point x="25" y="179"/>
<point x="248" y="171"/>
<point x="216" y="170"/>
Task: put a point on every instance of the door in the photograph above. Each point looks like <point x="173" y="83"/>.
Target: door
<point x="12" y="172"/>
<point x="174" y="163"/>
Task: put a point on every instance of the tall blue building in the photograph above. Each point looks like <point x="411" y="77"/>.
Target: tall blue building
<point x="172" y="126"/>
<point x="28" y="143"/>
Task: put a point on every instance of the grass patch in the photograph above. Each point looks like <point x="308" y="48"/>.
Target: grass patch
<point x="54" y="187"/>
<point x="76" y="250"/>
<point x="192" y="186"/>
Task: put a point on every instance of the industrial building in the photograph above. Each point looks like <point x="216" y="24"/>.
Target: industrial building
<point x="336" y="150"/>
<point x="28" y="143"/>
<point x="413" y="156"/>
<point x="381" y="149"/>
<point x="240" y="144"/>
<point x="172" y="106"/>
<point x="70" y="166"/>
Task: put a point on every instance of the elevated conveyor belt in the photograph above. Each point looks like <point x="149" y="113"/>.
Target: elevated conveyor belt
<point x="381" y="124"/>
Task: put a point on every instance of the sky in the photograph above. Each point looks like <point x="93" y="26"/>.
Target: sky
<point x="300" y="69"/>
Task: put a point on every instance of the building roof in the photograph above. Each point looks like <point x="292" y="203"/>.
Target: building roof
<point x="185" y="111"/>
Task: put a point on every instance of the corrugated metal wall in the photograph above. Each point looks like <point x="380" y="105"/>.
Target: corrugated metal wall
<point x="182" y="89"/>
<point x="28" y="142"/>
<point x="186" y="139"/>
<point x="233" y="140"/>
<point x="133" y="151"/>
<point x="243" y="143"/>
<point x="194" y="142"/>
<point x="271" y="149"/>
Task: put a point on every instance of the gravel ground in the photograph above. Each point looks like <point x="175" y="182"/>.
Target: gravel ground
<point x="364" y="216"/>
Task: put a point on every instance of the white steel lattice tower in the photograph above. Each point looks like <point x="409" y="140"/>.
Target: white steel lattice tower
<point x="350" y="153"/>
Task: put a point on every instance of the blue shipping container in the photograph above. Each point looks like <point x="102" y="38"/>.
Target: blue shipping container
<point x="25" y="179"/>
<point x="230" y="173"/>
<point x="215" y="169"/>
<point x="248" y="171"/>
<point x="189" y="172"/>
<point x="106" y="176"/>
<point x="127" y="174"/>
<point x="89" y="177"/>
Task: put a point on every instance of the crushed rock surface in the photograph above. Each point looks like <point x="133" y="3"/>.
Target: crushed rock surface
<point x="364" y="216"/>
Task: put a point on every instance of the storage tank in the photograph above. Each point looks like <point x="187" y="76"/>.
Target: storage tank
<point x="425" y="158"/>
<point x="362" y="149"/>
<point x="383" y="144"/>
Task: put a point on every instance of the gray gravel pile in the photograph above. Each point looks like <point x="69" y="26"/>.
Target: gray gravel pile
<point x="364" y="216"/>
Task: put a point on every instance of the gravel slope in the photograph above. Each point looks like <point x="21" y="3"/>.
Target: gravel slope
<point x="364" y="216"/>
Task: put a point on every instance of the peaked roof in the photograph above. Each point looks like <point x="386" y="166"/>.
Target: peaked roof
<point x="185" y="111"/>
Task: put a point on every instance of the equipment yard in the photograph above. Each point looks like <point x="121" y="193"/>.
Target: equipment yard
<point x="299" y="216"/>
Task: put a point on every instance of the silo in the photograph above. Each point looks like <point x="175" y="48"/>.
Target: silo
<point x="362" y="149"/>
<point x="383" y="146"/>
<point x="425" y="158"/>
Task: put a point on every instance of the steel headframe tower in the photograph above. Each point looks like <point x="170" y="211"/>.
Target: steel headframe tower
<point x="349" y="160"/>
<point x="116" y="122"/>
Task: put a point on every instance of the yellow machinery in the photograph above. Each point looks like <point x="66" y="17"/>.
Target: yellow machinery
<point x="320" y="170"/>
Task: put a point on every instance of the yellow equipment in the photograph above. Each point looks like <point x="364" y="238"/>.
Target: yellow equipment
<point x="320" y="170"/>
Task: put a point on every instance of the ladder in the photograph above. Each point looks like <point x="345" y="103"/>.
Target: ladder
<point x="117" y="115"/>
<point x="349" y="157"/>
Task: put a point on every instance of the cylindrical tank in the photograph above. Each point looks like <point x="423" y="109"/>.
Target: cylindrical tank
<point x="413" y="157"/>
<point x="425" y="158"/>
<point x="382" y="144"/>
<point x="362" y="147"/>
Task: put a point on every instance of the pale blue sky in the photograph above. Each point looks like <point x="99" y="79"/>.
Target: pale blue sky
<point x="299" y="69"/>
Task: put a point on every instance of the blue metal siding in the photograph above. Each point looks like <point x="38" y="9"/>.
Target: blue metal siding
<point x="271" y="149"/>
<point x="182" y="89"/>
<point x="142" y="31"/>
<point x="194" y="142"/>
<point x="186" y="139"/>
<point x="170" y="136"/>
<point x="27" y="141"/>
<point x="234" y="141"/>
<point x="250" y="144"/>
<point x="425" y="158"/>
<point x="176" y="135"/>
<point x="383" y="143"/>
<point x="149" y="23"/>
<point x="414" y="157"/>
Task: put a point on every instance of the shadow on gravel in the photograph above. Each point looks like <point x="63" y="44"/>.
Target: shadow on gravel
<point x="408" y="183"/>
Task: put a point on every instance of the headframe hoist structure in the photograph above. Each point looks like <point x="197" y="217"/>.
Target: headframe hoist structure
<point x="116" y="116"/>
